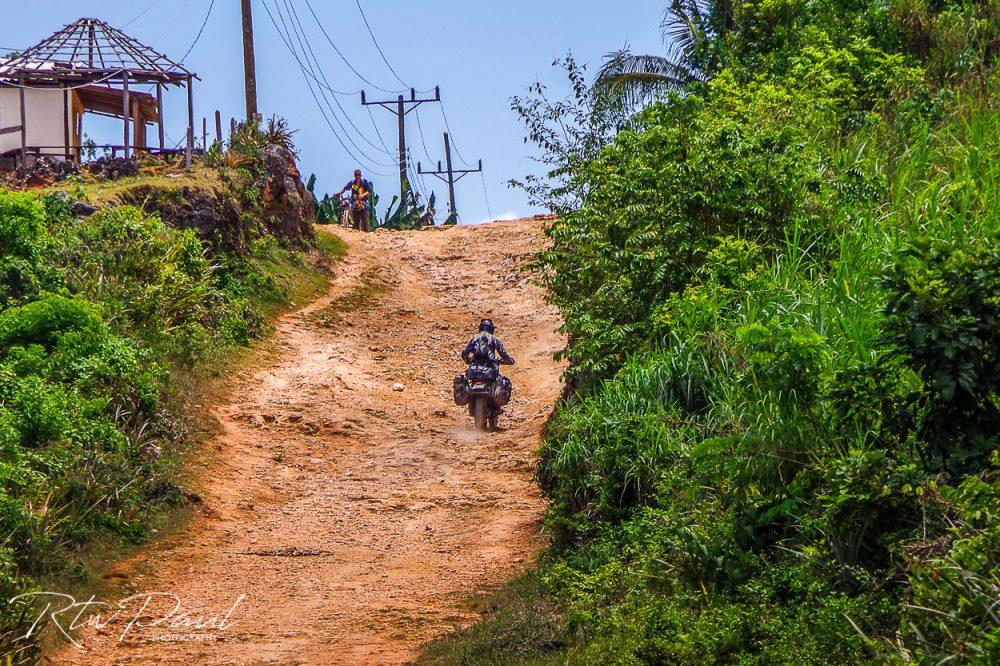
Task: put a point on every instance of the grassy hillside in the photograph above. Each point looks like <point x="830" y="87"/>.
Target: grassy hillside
<point x="781" y="286"/>
<point x="102" y="320"/>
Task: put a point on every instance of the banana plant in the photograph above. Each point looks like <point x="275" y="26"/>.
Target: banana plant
<point x="328" y="209"/>
<point x="409" y="217"/>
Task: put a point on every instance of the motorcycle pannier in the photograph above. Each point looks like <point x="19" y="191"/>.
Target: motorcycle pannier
<point x="502" y="390"/>
<point x="461" y="391"/>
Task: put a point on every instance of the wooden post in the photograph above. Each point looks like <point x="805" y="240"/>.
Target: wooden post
<point x="66" y="114"/>
<point x="78" y="137"/>
<point x="218" y="126"/>
<point x="404" y="185"/>
<point x="451" y="174"/>
<point x="204" y="140"/>
<point x="190" y="132"/>
<point x="138" y="126"/>
<point x="232" y="128"/>
<point x="24" y="119"/>
<point x="249" y="64"/>
<point x="159" y="114"/>
<point x="125" y="111"/>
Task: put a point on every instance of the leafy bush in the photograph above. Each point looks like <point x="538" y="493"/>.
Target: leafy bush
<point x="944" y="316"/>
<point x="94" y="314"/>
<point x="780" y="288"/>
<point x="955" y="580"/>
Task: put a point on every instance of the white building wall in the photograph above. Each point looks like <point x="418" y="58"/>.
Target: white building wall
<point x="44" y="109"/>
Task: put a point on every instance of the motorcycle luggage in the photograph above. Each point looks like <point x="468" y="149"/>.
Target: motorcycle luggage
<point x="461" y="391"/>
<point x="478" y="373"/>
<point x="502" y="391"/>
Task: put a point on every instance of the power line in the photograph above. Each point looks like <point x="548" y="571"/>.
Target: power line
<point x="377" y="46"/>
<point x="342" y="56"/>
<point x="398" y="78"/>
<point x="378" y="132"/>
<point x="486" y="195"/>
<point x="450" y="175"/>
<point x="174" y="22"/>
<point x="307" y="69"/>
<point x="453" y="144"/>
<point x="288" y="44"/>
<point x="307" y="66"/>
<point x="398" y="107"/>
<point x="208" y="15"/>
<point x="414" y="180"/>
<point x="140" y="14"/>
<point x="312" y="92"/>
<point x="308" y="46"/>
<point x="423" y="141"/>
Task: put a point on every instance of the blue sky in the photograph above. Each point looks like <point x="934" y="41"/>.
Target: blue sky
<point x="480" y="53"/>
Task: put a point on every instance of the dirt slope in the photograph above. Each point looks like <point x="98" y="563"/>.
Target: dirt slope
<point x="355" y="519"/>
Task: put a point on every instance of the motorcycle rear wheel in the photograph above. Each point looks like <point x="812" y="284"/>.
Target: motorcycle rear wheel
<point x="481" y="414"/>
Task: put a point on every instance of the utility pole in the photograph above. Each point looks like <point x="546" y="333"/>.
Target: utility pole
<point x="401" y="107"/>
<point x="249" y="63"/>
<point x="451" y="175"/>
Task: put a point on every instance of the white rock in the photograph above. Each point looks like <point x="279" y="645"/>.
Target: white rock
<point x="398" y="388"/>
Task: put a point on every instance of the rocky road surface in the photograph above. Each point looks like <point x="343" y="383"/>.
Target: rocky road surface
<point x="346" y="521"/>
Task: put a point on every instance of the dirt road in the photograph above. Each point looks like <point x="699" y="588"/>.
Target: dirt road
<point x="344" y="520"/>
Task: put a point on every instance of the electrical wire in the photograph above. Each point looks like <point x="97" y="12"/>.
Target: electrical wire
<point x="486" y="195"/>
<point x="444" y="114"/>
<point x="423" y="142"/>
<point x="140" y="14"/>
<point x="306" y="50"/>
<point x="378" y="132"/>
<point x="307" y="67"/>
<point x="342" y="56"/>
<point x="308" y="70"/>
<point x="377" y="46"/>
<point x="208" y="15"/>
<point x="454" y="144"/>
<point x="286" y="38"/>
<point x="312" y="92"/>
<point x="172" y="23"/>
<point x="423" y="184"/>
<point x="414" y="179"/>
<point x="309" y="51"/>
<point x="7" y="84"/>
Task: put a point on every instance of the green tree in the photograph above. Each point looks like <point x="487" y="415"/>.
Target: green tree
<point x="690" y="28"/>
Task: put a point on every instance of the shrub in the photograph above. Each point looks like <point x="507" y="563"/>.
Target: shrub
<point x="92" y="313"/>
<point x="944" y="317"/>
<point x="780" y="288"/>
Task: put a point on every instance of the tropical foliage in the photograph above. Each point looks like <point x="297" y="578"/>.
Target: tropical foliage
<point x="779" y="281"/>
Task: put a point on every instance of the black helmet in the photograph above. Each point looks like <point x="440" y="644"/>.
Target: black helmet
<point x="487" y="326"/>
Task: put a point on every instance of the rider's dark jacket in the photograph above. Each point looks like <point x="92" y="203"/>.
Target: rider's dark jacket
<point x="495" y="348"/>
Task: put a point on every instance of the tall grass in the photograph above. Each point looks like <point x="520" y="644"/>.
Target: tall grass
<point x="747" y="451"/>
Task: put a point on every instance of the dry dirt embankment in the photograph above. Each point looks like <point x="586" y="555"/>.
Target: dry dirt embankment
<point x="356" y="519"/>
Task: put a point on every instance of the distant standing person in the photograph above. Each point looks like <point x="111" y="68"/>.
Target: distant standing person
<point x="361" y="204"/>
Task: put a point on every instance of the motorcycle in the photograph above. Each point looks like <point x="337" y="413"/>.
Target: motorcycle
<point x="486" y="392"/>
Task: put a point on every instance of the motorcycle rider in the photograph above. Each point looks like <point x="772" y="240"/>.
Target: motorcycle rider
<point x="485" y="347"/>
<point x="361" y="203"/>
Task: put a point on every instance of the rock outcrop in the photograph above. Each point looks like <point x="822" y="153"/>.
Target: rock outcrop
<point x="289" y="208"/>
<point x="214" y="216"/>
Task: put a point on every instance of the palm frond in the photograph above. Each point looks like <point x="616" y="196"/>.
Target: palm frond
<point x="683" y="25"/>
<point x="633" y="80"/>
